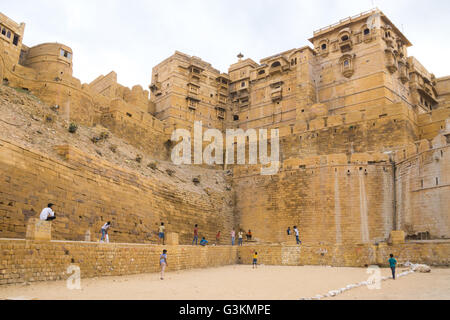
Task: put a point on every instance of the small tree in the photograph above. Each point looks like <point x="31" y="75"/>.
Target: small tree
<point x="73" y="127"/>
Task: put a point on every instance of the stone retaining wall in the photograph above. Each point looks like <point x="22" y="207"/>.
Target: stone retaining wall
<point x="31" y="261"/>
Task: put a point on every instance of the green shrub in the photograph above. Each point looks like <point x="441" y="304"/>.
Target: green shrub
<point x="73" y="127"/>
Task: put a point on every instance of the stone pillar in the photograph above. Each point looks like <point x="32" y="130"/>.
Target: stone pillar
<point x="172" y="239"/>
<point x="87" y="236"/>
<point x="39" y="230"/>
<point x="397" y="237"/>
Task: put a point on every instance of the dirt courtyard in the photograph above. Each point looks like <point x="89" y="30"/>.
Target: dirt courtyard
<point x="241" y="283"/>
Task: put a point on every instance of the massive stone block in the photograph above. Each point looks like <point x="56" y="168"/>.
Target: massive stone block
<point x="38" y="230"/>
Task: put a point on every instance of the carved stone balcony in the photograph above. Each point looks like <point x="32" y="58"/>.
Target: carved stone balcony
<point x="277" y="94"/>
<point x="346" y="45"/>
<point x="403" y="72"/>
<point x="275" y="70"/>
<point x="391" y="61"/>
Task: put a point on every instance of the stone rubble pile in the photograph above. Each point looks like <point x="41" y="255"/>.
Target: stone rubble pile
<point x="412" y="269"/>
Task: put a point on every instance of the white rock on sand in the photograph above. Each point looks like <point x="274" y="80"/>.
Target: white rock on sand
<point x="422" y="268"/>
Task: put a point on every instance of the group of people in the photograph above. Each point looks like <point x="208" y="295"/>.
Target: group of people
<point x="204" y="242"/>
<point x="48" y="214"/>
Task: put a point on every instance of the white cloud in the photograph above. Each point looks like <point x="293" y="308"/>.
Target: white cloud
<point x="132" y="36"/>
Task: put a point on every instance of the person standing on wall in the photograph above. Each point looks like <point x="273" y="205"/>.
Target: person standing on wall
<point x="233" y="237"/>
<point x="104" y="231"/>
<point x="161" y="233"/>
<point x="195" y="235"/>
<point x="240" y="238"/>
<point x="297" y="235"/>
<point x="218" y="238"/>
<point x="47" y="214"/>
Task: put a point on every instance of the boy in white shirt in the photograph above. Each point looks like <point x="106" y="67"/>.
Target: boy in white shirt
<point x="47" y="214"/>
<point x="297" y="235"/>
<point x="240" y="238"/>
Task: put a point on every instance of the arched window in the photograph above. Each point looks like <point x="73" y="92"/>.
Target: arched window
<point x="345" y="38"/>
<point x="366" y="31"/>
<point x="347" y="65"/>
<point x="324" y="46"/>
<point x="262" y="72"/>
<point x="276" y="64"/>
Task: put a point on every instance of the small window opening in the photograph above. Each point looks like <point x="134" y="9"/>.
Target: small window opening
<point x="16" y="40"/>
<point x="324" y="47"/>
<point x="276" y="64"/>
<point x="4" y="31"/>
<point x="345" y="38"/>
<point x="366" y="32"/>
<point x="9" y="34"/>
<point x="236" y="118"/>
<point x="129" y="114"/>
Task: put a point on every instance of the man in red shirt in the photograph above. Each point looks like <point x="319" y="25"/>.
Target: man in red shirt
<point x="195" y="235"/>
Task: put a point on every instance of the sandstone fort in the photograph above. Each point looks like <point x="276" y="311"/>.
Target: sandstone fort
<point x="364" y="142"/>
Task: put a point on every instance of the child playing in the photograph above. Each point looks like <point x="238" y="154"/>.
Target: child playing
<point x="393" y="265"/>
<point x="195" y="235"/>
<point x="204" y="242"/>
<point x="105" y="232"/>
<point x="161" y="233"/>
<point x="255" y="260"/>
<point x="297" y="235"/>
<point x="218" y="238"/>
<point x="163" y="263"/>
<point x="233" y="237"/>
<point x="240" y="238"/>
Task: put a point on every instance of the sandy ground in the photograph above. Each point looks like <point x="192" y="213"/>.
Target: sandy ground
<point x="240" y="283"/>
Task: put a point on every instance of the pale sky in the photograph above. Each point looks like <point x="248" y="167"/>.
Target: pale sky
<point x="130" y="37"/>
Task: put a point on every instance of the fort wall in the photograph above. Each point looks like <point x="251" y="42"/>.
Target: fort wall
<point x="433" y="253"/>
<point x="29" y="261"/>
<point x="90" y="191"/>
<point x="423" y="187"/>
